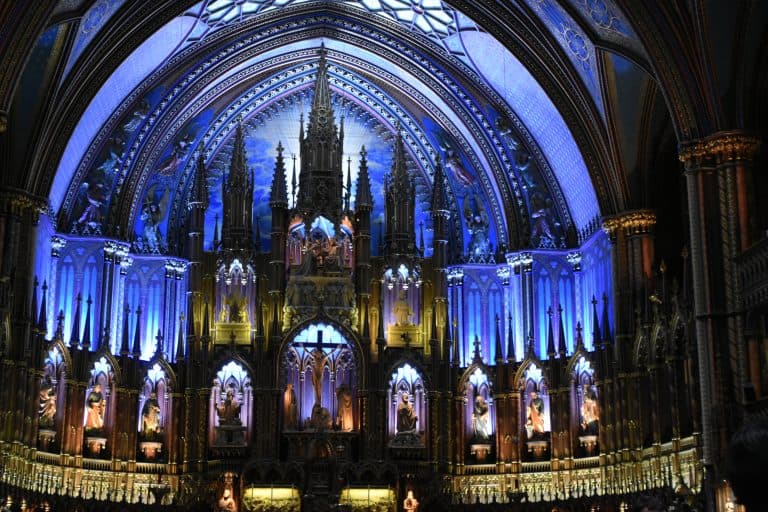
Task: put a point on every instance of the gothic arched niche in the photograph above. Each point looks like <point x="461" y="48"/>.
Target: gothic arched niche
<point x="320" y="379"/>
<point x="479" y="415"/>
<point x="231" y="406"/>
<point x="535" y="412"/>
<point x="154" y="411"/>
<point x="99" y="408"/>
<point x="51" y="400"/>
<point x="585" y="405"/>
<point x="407" y="407"/>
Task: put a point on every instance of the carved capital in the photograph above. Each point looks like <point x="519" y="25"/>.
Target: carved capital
<point x="721" y="147"/>
<point x="19" y="202"/>
<point x="636" y="222"/>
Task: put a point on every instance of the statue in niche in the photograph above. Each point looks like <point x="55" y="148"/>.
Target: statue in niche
<point x="237" y="311"/>
<point x="228" y="410"/>
<point x="94" y="418"/>
<point x="226" y="502"/>
<point x="402" y="310"/>
<point x="47" y="409"/>
<point x="150" y="417"/>
<point x="406" y="416"/>
<point x="345" y="418"/>
<point x="290" y="407"/>
<point x="319" y="359"/>
<point x="534" y="424"/>
<point x="410" y="503"/>
<point x="320" y="418"/>
<point x="590" y="413"/>
<point x="152" y="214"/>
<point x="481" y="419"/>
<point x="541" y="211"/>
<point x="478" y="224"/>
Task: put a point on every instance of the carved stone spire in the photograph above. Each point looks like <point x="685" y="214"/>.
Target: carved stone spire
<point x="511" y="353"/>
<point x="279" y="195"/>
<point x="321" y="180"/>
<point x="124" y="344"/>
<point x="499" y="354"/>
<point x="42" y="321"/>
<point x="606" y="337"/>
<point x="439" y="202"/>
<point x="561" y="346"/>
<point x="74" y="338"/>
<point x="238" y="198"/>
<point x="199" y="196"/>
<point x="363" y="198"/>
<point x="550" y="335"/>
<point x="137" y="334"/>
<point x="595" y="324"/>
<point x="87" y="329"/>
<point x="400" y="203"/>
<point x="180" y="341"/>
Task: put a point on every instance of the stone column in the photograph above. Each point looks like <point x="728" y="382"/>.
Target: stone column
<point x="717" y="170"/>
<point x="19" y="215"/>
<point x="632" y="253"/>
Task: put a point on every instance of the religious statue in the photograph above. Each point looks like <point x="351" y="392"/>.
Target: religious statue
<point x="541" y="212"/>
<point x="229" y="410"/>
<point x="402" y="310"/>
<point x="410" y="503"/>
<point x="152" y="214"/>
<point x="345" y="418"/>
<point x="406" y="416"/>
<point x="227" y="501"/>
<point x="535" y="422"/>
<point x="321" y="418"/>
<point x="150" y="417"/>
<point x="590" y="414"/>
<point x="319" y="358"/>
<point x="290" y="408"/>
<point x="237" y="309"/>
<point x="478" y="224"/>
<point x="481" y="419"/>
<point x="94" y="418"/>
<point x="47" y="410"/>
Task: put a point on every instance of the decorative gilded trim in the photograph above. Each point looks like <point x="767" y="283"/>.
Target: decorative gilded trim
<point x="636" y="222"/>
<point x="19" y="202"/>
<point x="722" y="147"/>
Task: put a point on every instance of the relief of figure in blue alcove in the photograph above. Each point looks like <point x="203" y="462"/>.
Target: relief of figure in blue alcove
<point x="478" y="226"/>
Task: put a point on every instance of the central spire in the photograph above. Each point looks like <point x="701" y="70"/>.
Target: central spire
<point x="321" y="101"/>
<point x="321" y="179"/>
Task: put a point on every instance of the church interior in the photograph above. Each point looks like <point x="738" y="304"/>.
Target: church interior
<point x="380" y="255"/>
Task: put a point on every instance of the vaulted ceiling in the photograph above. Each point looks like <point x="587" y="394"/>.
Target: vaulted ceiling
<point x="540" y="109"/>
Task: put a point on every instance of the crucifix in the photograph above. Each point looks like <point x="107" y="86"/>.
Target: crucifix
<point x="320" y="357"/>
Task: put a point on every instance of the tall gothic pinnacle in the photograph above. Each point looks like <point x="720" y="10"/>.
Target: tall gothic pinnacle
<point x="238" y="173"/>
<point x="322" y="96"/>
<point x="279" y="195"/>
<point x="439" y="196"/>
<point x="199" y="185"/>
<point x="363" y="199"/>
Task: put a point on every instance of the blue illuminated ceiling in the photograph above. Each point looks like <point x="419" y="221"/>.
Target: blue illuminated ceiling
<point x="459" y="94"/>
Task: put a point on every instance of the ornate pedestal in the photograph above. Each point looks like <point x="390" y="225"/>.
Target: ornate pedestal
<point x="537" y="448"/>
<point x="480" y="451"/>
<point x="230" y="435"/>
<point x="45" y="438"/>
<point x="150" y="449"/>
<point x="407" y="445"/>
<point x="95" y="445"/>
<point x="318" y="445"/>
<point x="589" y="443"/>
